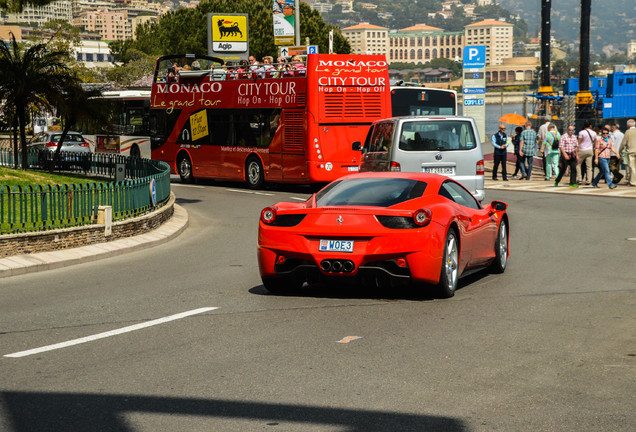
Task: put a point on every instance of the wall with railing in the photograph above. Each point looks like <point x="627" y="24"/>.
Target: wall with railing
<point x="144" y="188"/>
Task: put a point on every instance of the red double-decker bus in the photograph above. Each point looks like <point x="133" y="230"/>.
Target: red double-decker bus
<point x="297" y="125"/>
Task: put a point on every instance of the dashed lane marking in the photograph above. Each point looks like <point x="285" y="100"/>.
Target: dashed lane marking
<point x="187" y="185"/>
<point x="110" y="333"/>
<point x="250" y="192"/>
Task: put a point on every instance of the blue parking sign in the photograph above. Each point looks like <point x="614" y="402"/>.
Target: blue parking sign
<point x="312" y="49"/>
<point x="474" y="56"/>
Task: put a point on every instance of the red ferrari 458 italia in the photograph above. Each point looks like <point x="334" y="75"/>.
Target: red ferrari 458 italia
<point x="380" y="229"/>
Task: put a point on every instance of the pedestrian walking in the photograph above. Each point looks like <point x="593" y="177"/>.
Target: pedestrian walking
<point x="550" y="151"/>
<point x="603" y="149"/>
<point x="528" y="150"/>
<point x="568" y="156"/>
<point x="516" y="142"/>
<point x="500" y="155"/>
<point x="587" y="138"/>
<point x="616" y="161"/>
<point x="628" y="146"/>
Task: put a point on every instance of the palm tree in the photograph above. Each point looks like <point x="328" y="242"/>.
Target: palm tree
<point x="32" y="76"/>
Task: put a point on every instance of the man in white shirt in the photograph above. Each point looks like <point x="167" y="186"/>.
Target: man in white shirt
<point x="541" y="135"/>
<point x="628" y="146"/>
<point x="615" y="162"/>
<point x="587" y="138"/>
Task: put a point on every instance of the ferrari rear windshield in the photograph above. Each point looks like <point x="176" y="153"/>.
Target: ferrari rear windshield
<point x="376" y="192"/>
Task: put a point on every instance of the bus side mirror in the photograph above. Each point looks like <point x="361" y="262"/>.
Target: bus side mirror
<point x="356" y="146"/>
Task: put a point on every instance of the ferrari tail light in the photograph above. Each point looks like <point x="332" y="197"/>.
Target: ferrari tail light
<point x="268" y="215"/>
<point x="422" y="217"/>
<point x="51" y="144"/>
<point x="480" y="168"/>
<point x="395" y="166"/>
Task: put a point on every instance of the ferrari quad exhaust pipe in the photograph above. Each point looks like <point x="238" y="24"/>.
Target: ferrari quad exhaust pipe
<point x="325" y="265"/>
<point x="337" y="266"/>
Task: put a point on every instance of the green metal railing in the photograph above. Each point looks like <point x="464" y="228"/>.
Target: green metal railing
<point x="37" y="208"/>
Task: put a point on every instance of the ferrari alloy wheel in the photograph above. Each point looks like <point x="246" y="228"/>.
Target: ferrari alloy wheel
<point x="184" y="168"/>
<point x="281" y="285"/>
<point x="501" y="249"/>
<point x="254" y="173"/>
<point x="450" y="266"/>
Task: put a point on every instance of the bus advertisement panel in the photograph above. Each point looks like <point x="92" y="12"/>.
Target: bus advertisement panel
<point x="278" y="123"/>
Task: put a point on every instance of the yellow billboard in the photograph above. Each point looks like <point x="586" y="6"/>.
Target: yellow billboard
<point x="199" y="125"/>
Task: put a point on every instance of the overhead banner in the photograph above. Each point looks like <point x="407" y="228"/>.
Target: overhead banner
<point x="228" y="36"/>
<point x="284" y="22"/>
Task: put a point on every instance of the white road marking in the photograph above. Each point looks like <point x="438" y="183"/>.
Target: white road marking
<point x="249" y="192"/>
<point x="187" y="185"/>
<point x="110" y="333"/>
<point x="347" y="339"/>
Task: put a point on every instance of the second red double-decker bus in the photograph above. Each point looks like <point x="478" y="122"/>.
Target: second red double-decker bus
<point x="300" y="124"/>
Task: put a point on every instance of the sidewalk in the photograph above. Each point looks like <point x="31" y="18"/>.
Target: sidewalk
<point x="28" y="263"/>
<point x="537" y="182"/>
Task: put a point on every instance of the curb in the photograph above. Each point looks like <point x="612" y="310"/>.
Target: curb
<point x="41" y="261"/>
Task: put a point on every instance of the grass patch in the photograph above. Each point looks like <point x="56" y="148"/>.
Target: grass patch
<point x="12" y="177"/>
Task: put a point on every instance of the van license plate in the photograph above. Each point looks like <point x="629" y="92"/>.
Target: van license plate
<point x="336" y="246"/>
<point x="439" y="170"/>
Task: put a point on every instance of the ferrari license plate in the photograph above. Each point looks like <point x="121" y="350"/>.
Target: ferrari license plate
<point x="439" y="170"/>
<point x="336" y="246"/>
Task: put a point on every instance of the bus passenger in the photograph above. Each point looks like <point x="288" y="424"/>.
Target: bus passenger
<point x="230" y="72"/>
<point x="218" y="73"/>
<point x="241" y="72"/>
<point x="267" y="70"/>
<point x="299" y="66"/>
<point x="196" y="65"/>
<point x="284" y="68"/>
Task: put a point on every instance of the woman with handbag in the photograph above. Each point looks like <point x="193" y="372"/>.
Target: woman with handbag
<point x="602" y="152"/>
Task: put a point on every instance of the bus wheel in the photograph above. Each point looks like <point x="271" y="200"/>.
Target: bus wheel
<point x="134" y="151"/>
<point x="254" y="173"/>
<point x="184" y="167"/>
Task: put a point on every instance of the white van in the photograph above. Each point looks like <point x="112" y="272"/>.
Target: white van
<point x="443" y="145"/>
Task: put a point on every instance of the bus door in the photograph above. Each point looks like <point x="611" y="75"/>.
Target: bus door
<point x="254" y="131"/>
<point x="294" y="159"/>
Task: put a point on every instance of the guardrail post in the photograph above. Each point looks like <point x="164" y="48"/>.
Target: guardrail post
<point x="105" y="217"/>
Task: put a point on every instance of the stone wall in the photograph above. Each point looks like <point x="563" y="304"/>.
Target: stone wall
<point x="44" y="241"/>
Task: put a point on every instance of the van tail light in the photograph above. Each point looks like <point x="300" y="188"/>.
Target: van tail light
<point x="395" y="166"/>
<point x="268" y="215"/>
<point x="51" y="144"/>
<point x="422" y="217"/>
<point x="480" y="168"/>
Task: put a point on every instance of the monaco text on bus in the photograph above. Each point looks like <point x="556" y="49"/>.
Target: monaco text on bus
<point x="284" y="123"/>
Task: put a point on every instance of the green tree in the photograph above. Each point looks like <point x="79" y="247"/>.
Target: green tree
<point x="138" y="66"/>
<point x="31" y="75"/>
<point x="167" y="36"/>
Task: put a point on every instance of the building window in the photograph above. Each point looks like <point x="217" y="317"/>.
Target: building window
<point x="412" y="54"/>
<point x="419" y="54"/>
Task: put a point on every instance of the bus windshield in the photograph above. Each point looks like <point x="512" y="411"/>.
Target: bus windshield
<point x="422" y="101"/>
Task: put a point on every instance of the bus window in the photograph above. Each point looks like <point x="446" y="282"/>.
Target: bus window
<point x="423" y="101"/>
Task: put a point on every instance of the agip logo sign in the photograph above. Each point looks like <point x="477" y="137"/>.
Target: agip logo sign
<point x="227" y="33"/>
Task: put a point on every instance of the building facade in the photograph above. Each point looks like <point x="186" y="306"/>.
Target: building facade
<point x="421" y="43"/>
<point x="367" y="38"/>
<point x="38" y="16"/>
<point x="495" y="35"/>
